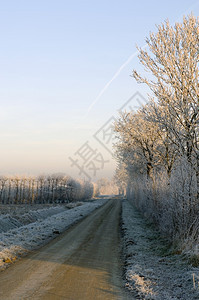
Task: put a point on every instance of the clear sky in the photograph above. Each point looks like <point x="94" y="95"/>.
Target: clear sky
<point x="55" y="59"/>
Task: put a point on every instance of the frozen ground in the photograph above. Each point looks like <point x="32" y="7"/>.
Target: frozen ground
<point x="24" y="228"/>
<point x="151" y="271"/>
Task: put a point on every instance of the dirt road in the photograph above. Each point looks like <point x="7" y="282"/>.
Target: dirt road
<point x="83" y="263"/>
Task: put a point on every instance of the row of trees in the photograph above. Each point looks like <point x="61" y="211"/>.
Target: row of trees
<point x="106" y="186"/>
<point x="158" y="146"/>
<point x="56" y="188"/>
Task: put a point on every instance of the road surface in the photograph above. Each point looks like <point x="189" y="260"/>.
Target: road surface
<point x="83" y="263"/>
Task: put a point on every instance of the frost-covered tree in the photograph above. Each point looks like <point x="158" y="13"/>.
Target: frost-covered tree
<point x="55" y="188"/>
<point x="158" y="146"/>
<point x="172" y="61"/>
<point x="121" y="177"/>
<point x="167" y="150"/>
<point x="139" y="140"/>
<point x="106" y="186"/>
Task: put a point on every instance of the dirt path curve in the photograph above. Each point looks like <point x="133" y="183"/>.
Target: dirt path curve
<point x="82" y="263"/>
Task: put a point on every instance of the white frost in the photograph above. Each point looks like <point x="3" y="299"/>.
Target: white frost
<point x="17" y="238"/>
<point x="148" y="272"/>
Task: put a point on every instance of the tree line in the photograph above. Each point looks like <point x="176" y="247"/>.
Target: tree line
<point x="157" y="146"/>
<point x="57" y="188"/>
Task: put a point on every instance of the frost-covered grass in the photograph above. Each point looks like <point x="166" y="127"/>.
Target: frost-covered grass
<point x="26" y="228"/>
<point x="152" y="271"/>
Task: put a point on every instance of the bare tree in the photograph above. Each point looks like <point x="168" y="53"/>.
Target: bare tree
<point x="162" y="138"/>
<point x="173" y="64"/>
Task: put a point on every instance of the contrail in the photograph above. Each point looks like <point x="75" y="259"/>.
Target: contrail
<point x="113" y="78"/>
<point x="124" y="65"/>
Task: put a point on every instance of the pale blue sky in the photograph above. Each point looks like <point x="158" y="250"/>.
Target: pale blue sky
<point x="55" y="58"/>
